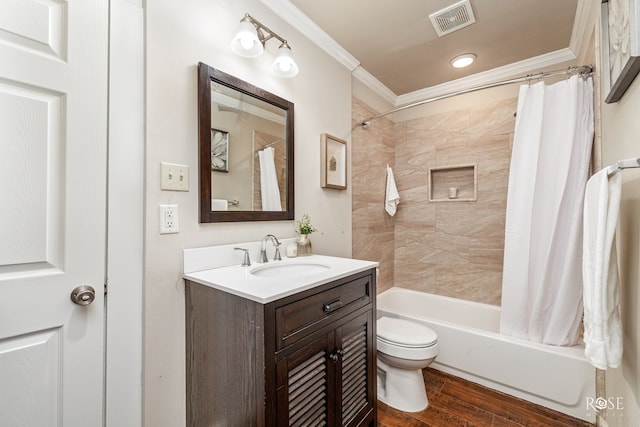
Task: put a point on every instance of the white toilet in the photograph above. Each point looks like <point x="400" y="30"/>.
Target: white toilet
<point x="404" y="349"/>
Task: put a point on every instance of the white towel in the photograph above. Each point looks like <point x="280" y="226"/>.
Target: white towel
<point x="602" y="324"/>
<point x="391" y="198"/>
<point x="269" y="190"/>
<point x="219" y="205"/>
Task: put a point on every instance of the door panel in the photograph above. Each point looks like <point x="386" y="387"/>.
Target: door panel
<point x="35" y="25"/>
<point x="31" y="161"/>
<point x="31" y="364"/>
<point x="53" y="116"/>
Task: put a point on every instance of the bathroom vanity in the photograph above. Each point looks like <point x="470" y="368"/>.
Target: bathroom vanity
<point x="286" y="343"/>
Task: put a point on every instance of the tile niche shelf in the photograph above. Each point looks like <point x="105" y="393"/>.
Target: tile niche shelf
<point x="457" y="183"/>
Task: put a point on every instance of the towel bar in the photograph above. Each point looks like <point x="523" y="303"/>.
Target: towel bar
<point x="625" y="164"/>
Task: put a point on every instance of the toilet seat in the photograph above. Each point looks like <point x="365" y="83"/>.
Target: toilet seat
<point x="404" y="349"/>
<point x="405" y="339"/>
<point x="405" y="333"/>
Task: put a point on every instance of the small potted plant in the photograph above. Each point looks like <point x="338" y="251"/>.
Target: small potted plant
<point x="304" y="228"/>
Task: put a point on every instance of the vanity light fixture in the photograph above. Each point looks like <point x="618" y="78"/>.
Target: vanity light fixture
<point x="247" y="43"/>
<point x="250" y="40"/>
<point x="462" y="61"/>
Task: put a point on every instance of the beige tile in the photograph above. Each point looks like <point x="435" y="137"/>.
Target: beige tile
<point x="469" y="284"/>
<point x="455" y="150"/>
<point x="415" y="242"/>
<point x="413" y="215"/>
<point x="371" y="151"/>
<point x="458" y="218"/>
<point x="415" y="278"/>
<point x="487" y="253"/>
<point x="489" y="223"/>
<point x="449" y="248"/>
<point x="450" y="122"/>
<point x="495" y="119"/>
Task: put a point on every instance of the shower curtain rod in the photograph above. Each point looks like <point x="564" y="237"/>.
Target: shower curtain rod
<point x="583" y="69"/>
<point x="269" y="145"/>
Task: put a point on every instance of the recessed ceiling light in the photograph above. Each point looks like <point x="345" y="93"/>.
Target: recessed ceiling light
<point x="462" y="61"/>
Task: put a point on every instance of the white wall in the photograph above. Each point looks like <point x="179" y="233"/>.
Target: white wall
<point x="620" y="130"/>
<point x="179" y="34"/>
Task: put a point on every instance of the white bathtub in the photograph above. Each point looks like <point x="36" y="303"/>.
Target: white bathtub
<point x="471" y="347"/>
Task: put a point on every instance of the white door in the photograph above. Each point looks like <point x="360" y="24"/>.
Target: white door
<point x="53" y="117"/>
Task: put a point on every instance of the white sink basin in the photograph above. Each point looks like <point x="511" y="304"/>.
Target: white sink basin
<point x="290" y="269"/>
<point x="265" y="283"/>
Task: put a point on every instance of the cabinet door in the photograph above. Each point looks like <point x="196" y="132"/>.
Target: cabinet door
<point x="355" y="395"/>
<point x="330" y="381"/>
<point x="304" y="381"/>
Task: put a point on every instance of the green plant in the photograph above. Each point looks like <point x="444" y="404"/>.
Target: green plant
<point x="304" y="225"/>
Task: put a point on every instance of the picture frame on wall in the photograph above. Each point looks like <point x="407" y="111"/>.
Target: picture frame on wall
<point x="333" y="162"/>
<point x="219" y="150"/>
<point x="620" y="46"/>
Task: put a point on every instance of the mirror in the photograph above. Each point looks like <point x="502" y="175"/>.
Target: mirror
<point x="245" y="150"/>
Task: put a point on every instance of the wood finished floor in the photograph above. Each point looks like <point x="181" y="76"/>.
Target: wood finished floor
<point x="457" y="402"/>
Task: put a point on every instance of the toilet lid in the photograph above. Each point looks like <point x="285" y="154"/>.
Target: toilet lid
<point x="405" y="333"/>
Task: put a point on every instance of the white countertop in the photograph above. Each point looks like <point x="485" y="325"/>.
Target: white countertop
<point x="239" y="281"/>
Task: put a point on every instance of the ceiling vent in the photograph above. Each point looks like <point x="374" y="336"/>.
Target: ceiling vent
<point x="452" y="18"/>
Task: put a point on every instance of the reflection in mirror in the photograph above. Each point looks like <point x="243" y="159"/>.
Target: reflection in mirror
<point x="246" y="150"/>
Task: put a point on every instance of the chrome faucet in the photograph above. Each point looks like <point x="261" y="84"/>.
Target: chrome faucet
<point x="276" y="244"/>
<point x="246" y="261"/>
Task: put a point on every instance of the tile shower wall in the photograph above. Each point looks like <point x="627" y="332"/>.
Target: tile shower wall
<point x="448" y="248"/>
<point x="372" y="230"/>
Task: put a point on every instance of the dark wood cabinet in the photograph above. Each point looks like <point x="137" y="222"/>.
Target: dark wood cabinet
<point x="304" y="360"/>
<point x="326" y="382"/>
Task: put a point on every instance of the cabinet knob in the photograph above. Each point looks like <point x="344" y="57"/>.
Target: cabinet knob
<point x="336" y="355"/>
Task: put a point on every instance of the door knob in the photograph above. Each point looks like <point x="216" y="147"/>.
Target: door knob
<point x="83" y="295"/>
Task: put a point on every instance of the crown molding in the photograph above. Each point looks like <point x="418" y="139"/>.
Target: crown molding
<point x="582" y="29"/>
<point x="517" y="69"/>
<point x="301" y="22"/>
<point x="583" y="26"/>
<point x="375" y="85"/>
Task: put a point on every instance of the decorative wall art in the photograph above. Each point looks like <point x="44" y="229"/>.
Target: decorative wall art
<point x="333" y="166"/>
<point x="620" y="46"/>
<point x="219" y="150"/>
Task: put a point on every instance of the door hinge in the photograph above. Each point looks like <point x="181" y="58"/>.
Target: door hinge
<point x="105" y="289"/>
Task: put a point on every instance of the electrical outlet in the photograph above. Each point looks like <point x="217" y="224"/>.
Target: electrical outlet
<point x="169" y="219"/>
<point x="174" y="177"/>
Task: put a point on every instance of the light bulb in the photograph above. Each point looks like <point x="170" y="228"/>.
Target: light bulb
<point x="462" y="61"/>
<point x="246" y="42"/>
<point x="284" y="65"/>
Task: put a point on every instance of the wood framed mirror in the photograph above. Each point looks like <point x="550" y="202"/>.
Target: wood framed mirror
<point x="245" y="150"/>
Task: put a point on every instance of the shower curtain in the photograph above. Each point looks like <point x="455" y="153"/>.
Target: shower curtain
<point x="542" y="276"/>
<point x="269" y="191"/>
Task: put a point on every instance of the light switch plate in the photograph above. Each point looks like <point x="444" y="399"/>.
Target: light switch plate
<point x="174" y="177"/>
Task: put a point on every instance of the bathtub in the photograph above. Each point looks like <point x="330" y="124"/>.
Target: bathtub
<point x="471" y="347"/>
